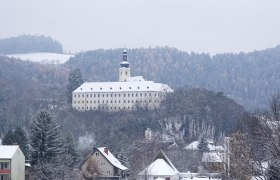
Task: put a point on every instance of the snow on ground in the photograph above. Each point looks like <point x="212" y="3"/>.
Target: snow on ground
<point x="44" y="58"/>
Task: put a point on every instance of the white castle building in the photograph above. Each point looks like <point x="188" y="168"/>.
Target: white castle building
<point x="127" y="94"/>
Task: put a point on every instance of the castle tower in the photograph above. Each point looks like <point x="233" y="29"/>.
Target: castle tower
<point x="124" y="70"/>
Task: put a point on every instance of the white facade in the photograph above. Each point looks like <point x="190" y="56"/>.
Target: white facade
<point x="12" y="163"/>
<point x="127" y="94"/>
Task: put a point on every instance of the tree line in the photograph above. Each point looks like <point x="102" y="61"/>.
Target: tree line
<point x="29" y="44"/>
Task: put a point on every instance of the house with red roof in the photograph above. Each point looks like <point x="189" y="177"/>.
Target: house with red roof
<point x="102" y="164"/>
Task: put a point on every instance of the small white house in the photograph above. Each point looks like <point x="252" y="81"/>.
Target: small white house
<point x="12" y="163"/>
<point x="161" y="168"/>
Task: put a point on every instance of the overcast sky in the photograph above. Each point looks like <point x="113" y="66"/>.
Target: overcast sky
<point x="211" y="26"/>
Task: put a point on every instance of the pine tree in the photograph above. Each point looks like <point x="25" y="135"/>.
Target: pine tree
<point x="124" y="161"/>
<point x="75" y="79"/>
<point x="203" y="145"/>
<point x="46" y="143"/>
<point x="71" y="151"/>
<point x="17" y="137"/>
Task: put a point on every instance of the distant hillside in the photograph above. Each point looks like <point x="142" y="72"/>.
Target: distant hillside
<point x="29" y="44"/>
<point x="25" y="87"/>
<point x="249" y="78"/>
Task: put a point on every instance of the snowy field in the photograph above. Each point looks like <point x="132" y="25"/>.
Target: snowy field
<point x="44" y="58"/>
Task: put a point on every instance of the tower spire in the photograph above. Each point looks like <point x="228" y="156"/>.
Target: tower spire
<point x="124" y="70"/>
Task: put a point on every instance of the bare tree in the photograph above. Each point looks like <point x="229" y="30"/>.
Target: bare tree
<point x="255" y="150"/>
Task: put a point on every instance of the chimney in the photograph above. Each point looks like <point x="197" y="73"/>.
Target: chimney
<point x="106" y="150"/>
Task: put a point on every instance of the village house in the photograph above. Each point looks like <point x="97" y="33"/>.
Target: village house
<point x="161" y="167"/>
<point x="102" y="164"/>
<point x="12" y="163"/>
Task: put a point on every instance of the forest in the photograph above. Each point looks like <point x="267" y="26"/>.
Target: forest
<point x="29" y="44"/>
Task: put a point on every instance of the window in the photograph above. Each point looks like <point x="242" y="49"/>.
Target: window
<point x="94" y="95"/>
<point x="123" y="95"/>
<point x="4" y="177"/>
<point x="115" y="95"/>
<point x="75" y="95"/>
<point x="4" y="165"/>
<point x="87" y="95"/>
<point x="82" y="95"/>
<point x="107" y="95"/>
<point x="127" y="95"/>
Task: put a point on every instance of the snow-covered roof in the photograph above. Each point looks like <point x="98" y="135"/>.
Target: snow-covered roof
<point x="135" y="79"/>
<point x="8" y="151"/>
<point x="111" y="158"/>
<point x="27" y="165"/>
<point x="159" y="168"/>
<point x="130" y="86"/>
<point x="192" y="146"/>
<point x="212" y="157"/>
<point x="124" y="62"/>
<point x="211" y="147"/>
<point x="162" y="155"/>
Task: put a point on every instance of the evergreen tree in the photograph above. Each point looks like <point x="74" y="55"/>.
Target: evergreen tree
<point x="203" y="145"/>
<point x="71" y="151"/>
<point x="46" y="143"/>
<point x="75" y="79"/>
<point x="17" y="137"/>
<point x="124" y="161"/>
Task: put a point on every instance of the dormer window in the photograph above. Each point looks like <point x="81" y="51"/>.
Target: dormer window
<point x="101" y="88"/>
<point x="81" y="88"/>
<point x="129" y="87"/>
<point x="120" y="87"/>
<point x="138" y="87"/>
<point x="111" y="88"/>
<point x="147" y="87"/>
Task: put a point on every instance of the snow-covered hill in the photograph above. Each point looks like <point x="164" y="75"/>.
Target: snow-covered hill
<point x="44" y="58"/>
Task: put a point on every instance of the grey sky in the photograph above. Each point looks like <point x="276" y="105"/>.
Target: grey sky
<point x="212" y="26"/>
